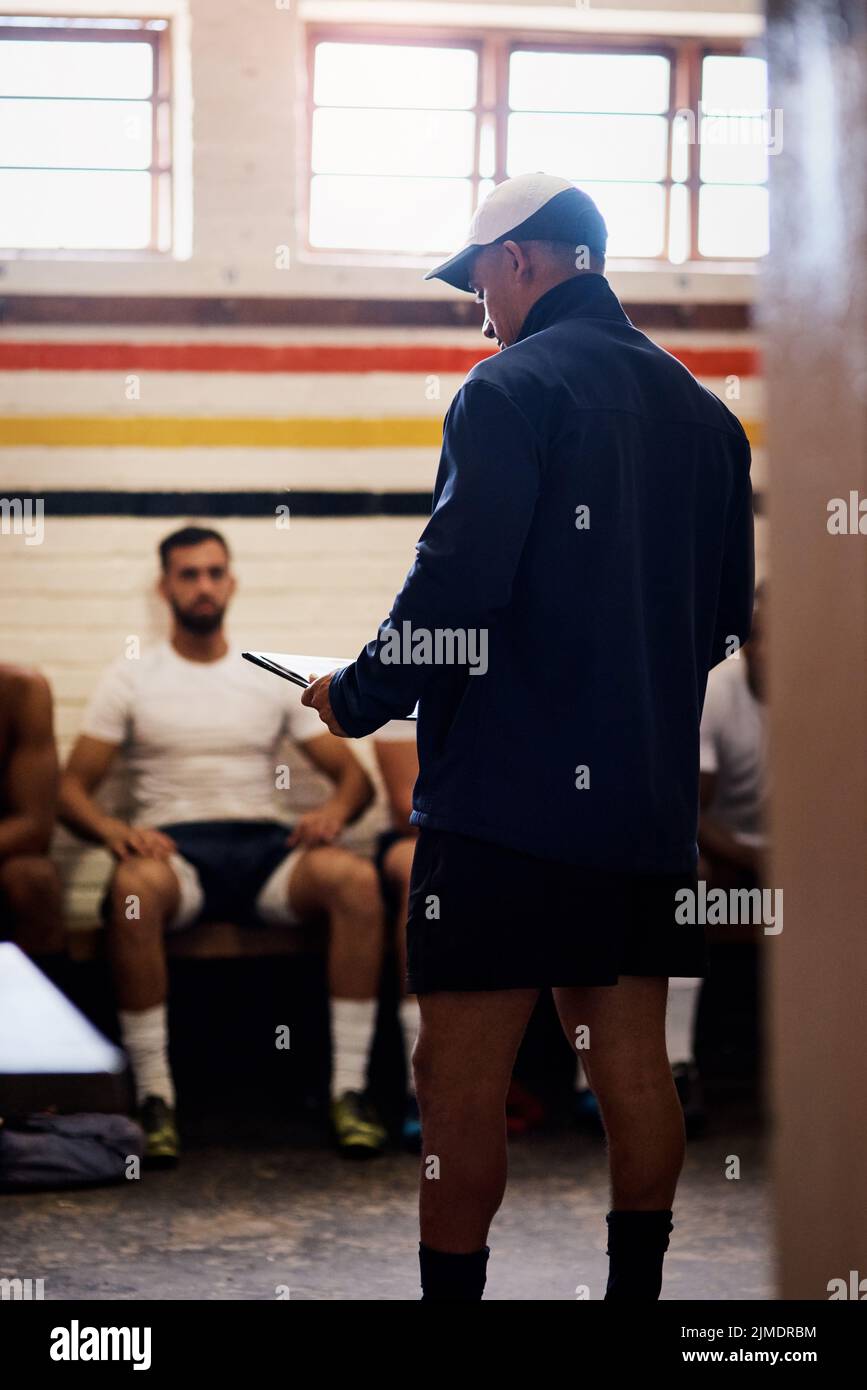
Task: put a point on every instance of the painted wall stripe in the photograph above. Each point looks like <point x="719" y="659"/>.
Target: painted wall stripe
<point x="251" y="357"/>
<point x="176" y="432"/>
<point x="242" y="504"/>
<point x="70" y="503"/>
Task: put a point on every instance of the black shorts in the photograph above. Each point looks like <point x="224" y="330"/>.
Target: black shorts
<point x="233" y="860"/>
<point x="484" y="917"/>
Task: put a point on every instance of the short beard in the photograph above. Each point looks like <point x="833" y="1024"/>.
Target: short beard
<point x="199" y="624"/>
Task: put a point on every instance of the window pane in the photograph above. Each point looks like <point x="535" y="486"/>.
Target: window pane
<point x="734" y="149"/>
<point x="61" y="210"/>
<point x="732" y="221"/>
<point x="34" y="69"/>
<point x="734" y="84"/>
<point x="588" y="147"/>
<point x="415" y="215"/>
<point x="634" y="214"/>
<point x="370" y="74"/>
<point x="393" y="142"/>
<point x="83" y="134"/>
<point x="588" y="82"/>
<point x="678" y="224"/>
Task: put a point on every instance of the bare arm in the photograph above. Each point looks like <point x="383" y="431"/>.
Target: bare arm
<point x="398" y="763"/>
<point x="715" y="841"/>
<point x="89" y="764"/>
<point x="353" y="791"/>
<point x="31" y="774"/>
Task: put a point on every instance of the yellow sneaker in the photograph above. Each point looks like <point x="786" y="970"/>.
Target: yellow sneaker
<point x="162" y="1146"/>
<point x="357" y="1127"/>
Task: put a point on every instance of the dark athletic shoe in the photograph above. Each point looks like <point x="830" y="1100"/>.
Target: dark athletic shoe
<point x="159" y="1122"/>
<point x="357" y="1127"/>
<point x="688" y="1084"/>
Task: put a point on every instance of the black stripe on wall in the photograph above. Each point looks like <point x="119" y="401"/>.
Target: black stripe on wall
<point x="243" y="504"/>
<point x="226" y="504"/>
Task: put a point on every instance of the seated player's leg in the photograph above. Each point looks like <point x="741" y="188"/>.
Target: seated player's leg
<point x="339" y="885"/>
<point x="463" y="1065"/>
<point x="146" y="896"/>
<point x="628" y="1068"/>
<point x="397" y="869"/>
<point x="31" y="897"/>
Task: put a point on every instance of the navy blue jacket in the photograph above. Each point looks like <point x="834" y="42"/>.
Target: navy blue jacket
<point x="580" y="742"/>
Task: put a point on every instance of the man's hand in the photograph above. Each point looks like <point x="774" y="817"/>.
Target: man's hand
<point x="124" y="841"/>
<point x="319" y="827"/>
<point x="316" y="696"/>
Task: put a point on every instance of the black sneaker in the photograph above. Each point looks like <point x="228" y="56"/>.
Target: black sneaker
<point x="159" y="1122"/>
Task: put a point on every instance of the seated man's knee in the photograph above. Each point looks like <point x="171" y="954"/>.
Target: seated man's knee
<point x="140" y="883"/>
<point x="354" y="881"/>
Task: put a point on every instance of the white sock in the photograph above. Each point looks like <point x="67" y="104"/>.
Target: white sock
<point x="680" y="1018"/>
<point x="145" y="1035"/>
<point x="352" y="1025"/>
<point x="410" y="1022"/>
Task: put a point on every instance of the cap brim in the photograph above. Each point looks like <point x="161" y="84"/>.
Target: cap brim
<point x="456" y="270"/>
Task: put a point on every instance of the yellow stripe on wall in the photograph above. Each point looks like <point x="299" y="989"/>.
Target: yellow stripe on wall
<point x="178" y="432"/>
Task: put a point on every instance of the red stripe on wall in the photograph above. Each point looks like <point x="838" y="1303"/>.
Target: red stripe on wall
<point x="251" y="357"/>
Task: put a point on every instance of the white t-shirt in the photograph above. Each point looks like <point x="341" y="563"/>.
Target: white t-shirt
<point x="200" y="737"/>
<point x="734" y="746"/>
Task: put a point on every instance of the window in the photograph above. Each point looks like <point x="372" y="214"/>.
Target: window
<point x="669" y="139"/>
<point x="602" y="120"/>
<point x="736" y="135"/>
<point x="84" y="135"/>
<point x="393" y="146"/>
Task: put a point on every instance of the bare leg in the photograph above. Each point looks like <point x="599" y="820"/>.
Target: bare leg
<point x="148" y="888"/>
<point x="627" y="1067"/>
<point x="338" y="884"/>
<point x="463" y="1064"/>
<point x="398" y="868"/>
<point x="30" y="888"/>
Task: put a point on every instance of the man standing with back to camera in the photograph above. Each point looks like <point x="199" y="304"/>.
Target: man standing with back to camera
<point x="593" y="516"/>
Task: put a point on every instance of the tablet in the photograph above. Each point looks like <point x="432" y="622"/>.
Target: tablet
<point x="299" y="669"/>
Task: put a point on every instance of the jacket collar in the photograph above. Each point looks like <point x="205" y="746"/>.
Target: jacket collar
<point x="582" y="296"/>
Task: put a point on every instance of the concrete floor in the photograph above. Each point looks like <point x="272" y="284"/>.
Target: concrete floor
<point x="244" y="1216"/>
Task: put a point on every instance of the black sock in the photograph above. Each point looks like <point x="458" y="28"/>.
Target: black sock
<point x="452" y="1278"/>
<point x="637" y="1242"/>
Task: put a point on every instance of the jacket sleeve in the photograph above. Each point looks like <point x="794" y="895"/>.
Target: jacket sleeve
<point x="467" y="555"/>
<point x="737" y="583"/>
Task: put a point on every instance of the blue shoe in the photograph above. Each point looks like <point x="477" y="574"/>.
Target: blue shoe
<point x="411" y="1132"/>
<point x="586" y="1111"/>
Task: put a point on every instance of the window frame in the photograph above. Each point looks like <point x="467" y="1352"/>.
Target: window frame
<point x="160" y="170"/>
<point x="494" y="49"/>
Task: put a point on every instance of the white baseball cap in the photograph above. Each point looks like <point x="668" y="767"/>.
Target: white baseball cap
<point x="530" y="207"/>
